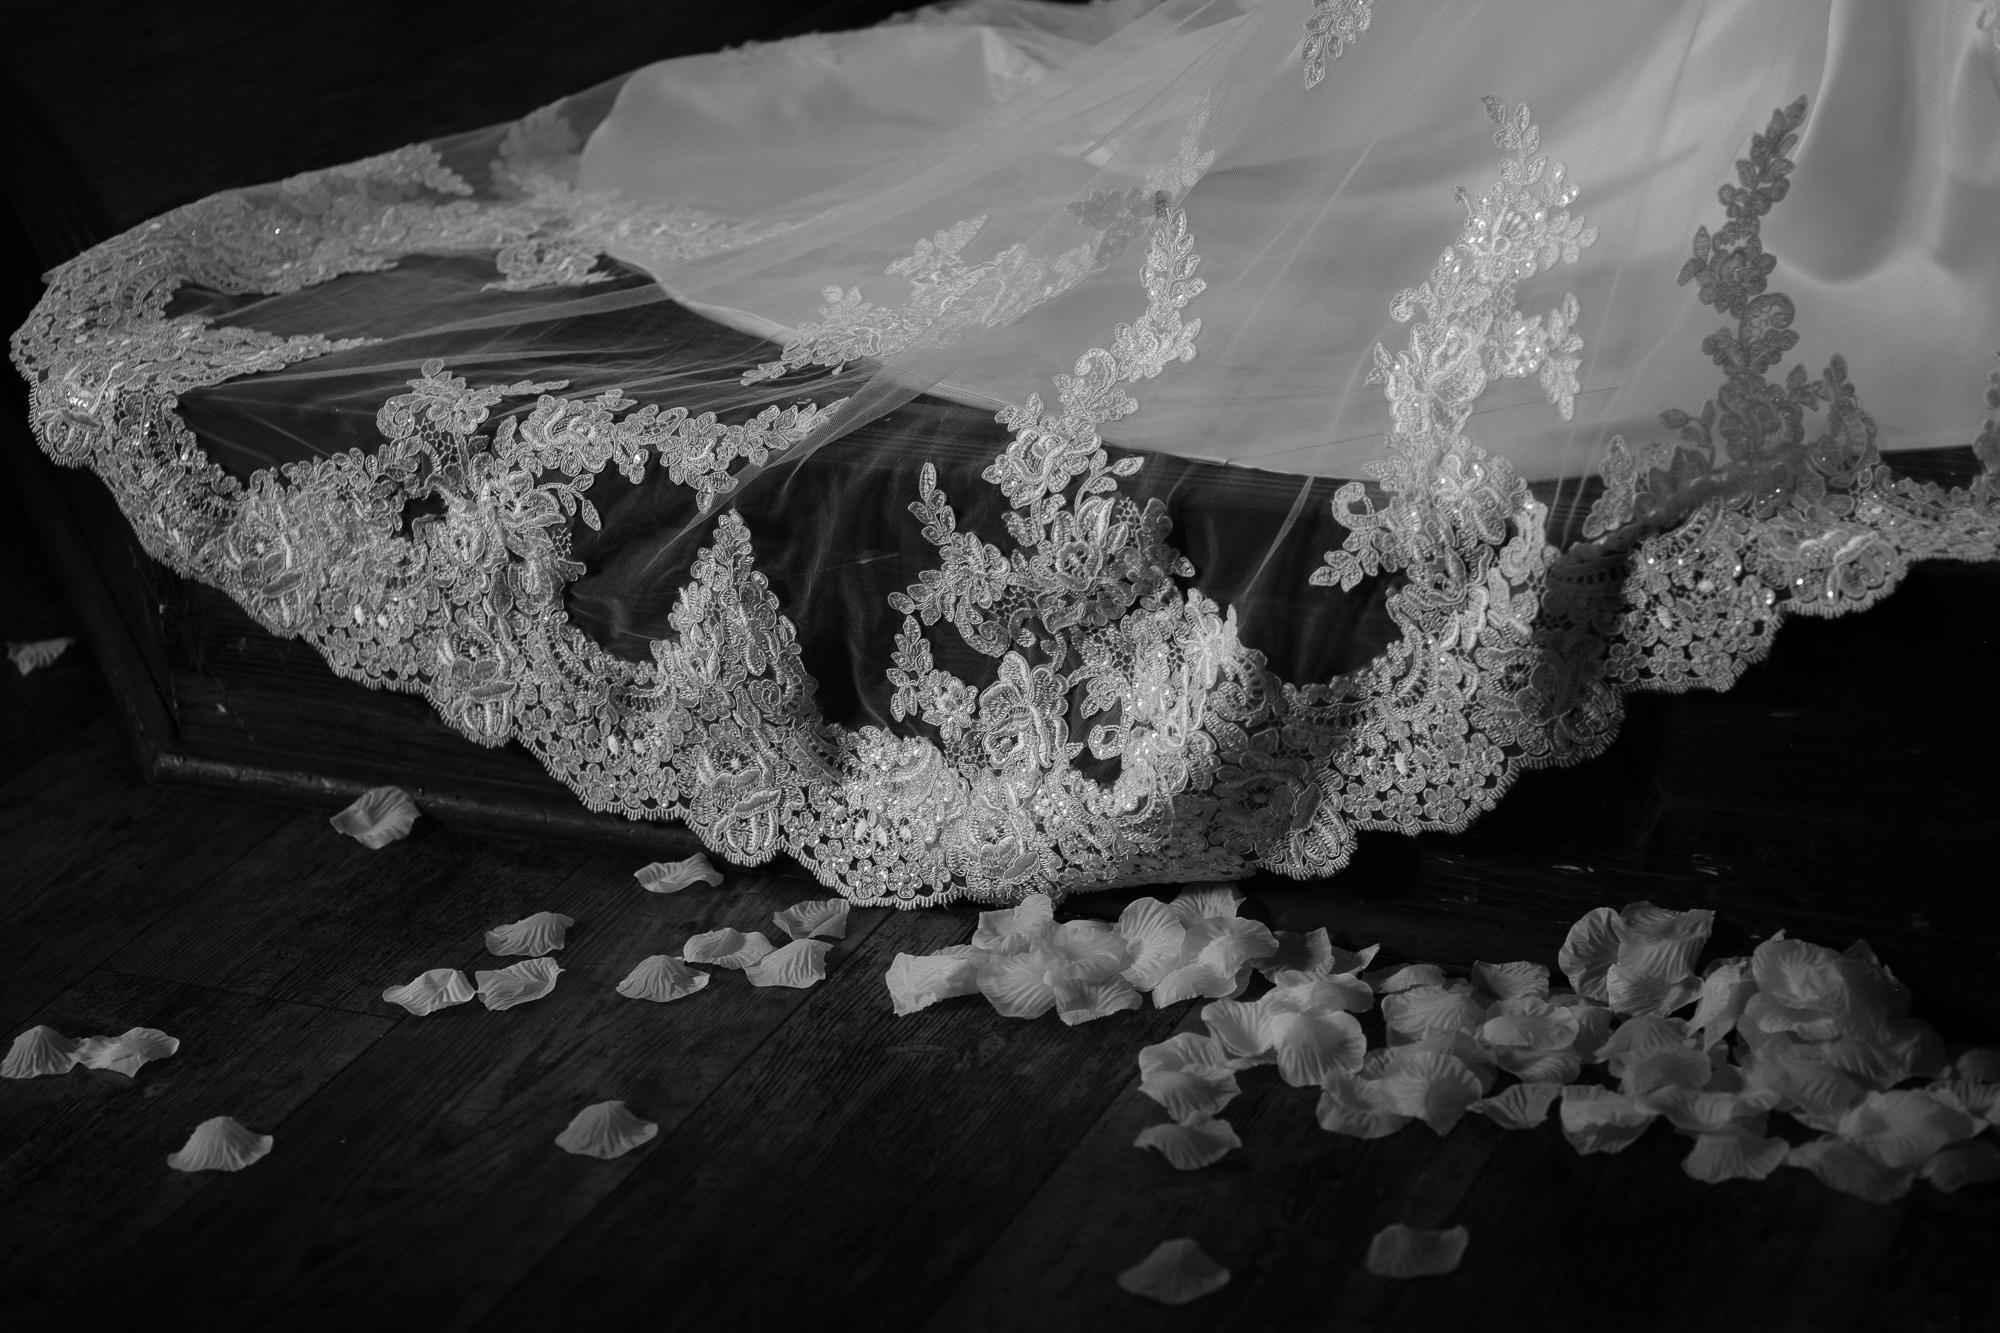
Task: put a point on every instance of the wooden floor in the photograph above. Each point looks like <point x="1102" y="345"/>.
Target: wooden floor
<point x="819" y="1159"/>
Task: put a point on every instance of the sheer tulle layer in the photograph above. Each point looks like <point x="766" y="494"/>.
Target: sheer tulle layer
<point x="407" y="410"/>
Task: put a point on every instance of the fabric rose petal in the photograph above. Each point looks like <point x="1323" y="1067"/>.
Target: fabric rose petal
<point x="125" y="1053"/>
<point x="1638" y="961"/>
<point x="1305" y="1042"/>
<point x="1016" y="928"/>
<point x="1598" y="1119"/>
<point x="37" y="654"/>
<point x="673" y="876"/>
<point x="1152" y="933"/>
<point x="822" y="916"/>
<point x="1206" y="902"/>
<point x="41" y="1051"/>
<point x="661" y="978"/>
<point x="1852" y="1170"/>
<point x="605" y="1130"/>
<point x="1973" y="1163"/>
<point x="726" y="948"/>
<point x="1217" y="954"/>
<point x="1734" y="1154"/>
<point x="378" y="817"/>
<point x="918" y="981"/>
<point x="1189" y="1075"/>
<point x="1401" y="1251"/>
<point x="542" y="933"/>
<point x="431" y="991"/>
<point x="1175" y="1273"/>
<point x="1523" y="1106"/>
<point x="798" y="965"/>
<point x="524" y="981"/>
<point x="1191" y="1145"/>
<point x="220" y="1144"/>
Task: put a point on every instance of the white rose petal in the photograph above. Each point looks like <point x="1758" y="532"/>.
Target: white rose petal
<point x="542" y="933"/>
<point x="918" y="981"/>
<point x="220" y="1144"/>
<point x="439" y="988"/>
<point x="725" y="948"/>
<point x="606" y="1130"/>
<point x="1192" y="1145"/>
<point x="822" y="916"/>
<point x="796" y="966"/>
<point x="378" y="817"/>
<point x="661" y="978"/>
<point x="1403" y="1252"/>
<point x="673" y="876"/>
<point x="1175" y="1273"/>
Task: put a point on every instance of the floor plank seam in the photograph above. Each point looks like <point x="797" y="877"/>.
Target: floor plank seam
<point x="135" y="975"/>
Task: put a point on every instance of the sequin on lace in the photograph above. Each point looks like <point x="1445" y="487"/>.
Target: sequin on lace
<point x="1513" y="654"/>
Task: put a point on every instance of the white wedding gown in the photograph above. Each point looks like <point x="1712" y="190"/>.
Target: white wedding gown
<point x="1319" y="499"/>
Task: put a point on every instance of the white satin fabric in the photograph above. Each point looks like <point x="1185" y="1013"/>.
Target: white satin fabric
<point x="1320" y="204"/>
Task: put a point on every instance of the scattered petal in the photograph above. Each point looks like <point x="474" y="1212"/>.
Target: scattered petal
<point x="1400" y="1251"/>
<point x="800" y="964"/>
<point x="1191" y="1093"/>
<point x="378" y="817"/>
<point x="1851" y="1170"/>
<point x="1081" y="1001"/>
<point x="220" y="1144"/>
<point x="823" y="916"/>
<point x="1530" y="1022"/>
<point x="1175" y="1273"/>
<point x="1647" y="1035"/>
<point x="1304" y="990"/>
<point x="1311" y="1044"/>
<point x="661" y="978"/>
<point x="1677" y="1067"/>
<point x="1093" y="950"/>
<point x="40" y="1051"/>
<point x="1357" y="1107"/>
<point x="1734" y="1155"/>
<point x="605" y="1130"/>
<point x="34" y="656"/>
<point x="1430" y="1086"/>
<point x="1228" y="946"/>
<point x="726" y="948"/>
<point x="918" y="981"/>
<point x="124" y="1054"/>
<point x="673" y="876"/>
<point x="1017" y="985"/>
<point x="1981" y="1064"/>
<point x="1191" y="1145"/>
<point x="524" y="981"/>
<point x="1016" y="928"/>
<point x="1724" y="992"/>
<point x="1206" y="902"/>
<point x="1512" y="981"/>
<point x="1153" y="934"/>
<point x="1972" y="1163"/>
<point x="1538" y="1067"/>
<point x="535" y="935"/>
<point x="1196" y="981"/>
<point x="1905" y="1128"/>
<point x="1425" y="1011"/>
<point x="1390" y="981"/>
<point x="1813" y="1092"/>
<point x="436" y="989"/>
<point x="1523" y="1106"/>
<point x="1598" y="1119"/>
<point x="1589" y="951"/>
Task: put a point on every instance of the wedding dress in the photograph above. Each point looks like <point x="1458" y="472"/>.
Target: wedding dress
<point x="1031" y="447"/>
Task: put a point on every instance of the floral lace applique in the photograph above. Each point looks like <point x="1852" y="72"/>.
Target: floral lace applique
<point x="949" y="297"/>
<point x="1513" y="654"/>
<point x="1332" y="27"/>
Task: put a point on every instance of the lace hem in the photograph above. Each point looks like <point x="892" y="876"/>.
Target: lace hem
<point x="1514" y="654"/>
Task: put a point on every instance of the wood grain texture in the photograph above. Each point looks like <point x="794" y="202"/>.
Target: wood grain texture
<point x="886" y="1152"/>
<point x="314" y="917"/>
<point x="423" y="1193"/>
<point x="83" y="1154"/>
<point x="90" y="859"/>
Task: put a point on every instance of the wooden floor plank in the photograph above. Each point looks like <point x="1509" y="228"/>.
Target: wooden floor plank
<point x="82" y="1155"/>
<point x="314" y="917"/>
<point x="422" y="1188"/>
<point x="102" y="881"/>
<point x="1290" y="1214"/>
<point x="859" y="1163"/>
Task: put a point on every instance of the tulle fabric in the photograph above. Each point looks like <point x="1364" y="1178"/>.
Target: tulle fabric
<point x="1352" y="554"/>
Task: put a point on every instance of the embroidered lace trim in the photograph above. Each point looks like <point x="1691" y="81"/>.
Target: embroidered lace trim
<point x="1513" y="654"/>
<point x="1332" y="27"/>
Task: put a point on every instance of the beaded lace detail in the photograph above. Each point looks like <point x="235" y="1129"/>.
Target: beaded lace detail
<point x="1332" y="27"/>
<point x="1513" y="653"/>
